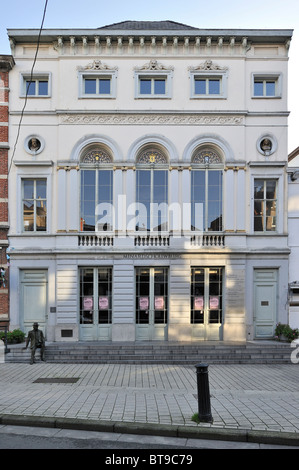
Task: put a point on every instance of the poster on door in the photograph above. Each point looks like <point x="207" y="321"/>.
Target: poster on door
<point x="214" y="302"/>
<point x="103" y="303"/>
<point x="198" y="303"/>
<point x="143" y="303"/>
<point x="87" y="303"/>
<point x="159" y="302"/>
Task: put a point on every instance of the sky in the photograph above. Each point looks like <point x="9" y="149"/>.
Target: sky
<point x="218" y="14"/>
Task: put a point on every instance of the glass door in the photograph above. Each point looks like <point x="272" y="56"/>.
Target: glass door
<point x="95" y="304"/>
<point x="151" y="303"/>
<point x="206" y="303"/>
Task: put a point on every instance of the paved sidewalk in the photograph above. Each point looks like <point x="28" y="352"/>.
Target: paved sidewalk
<point x="257" y="403"/>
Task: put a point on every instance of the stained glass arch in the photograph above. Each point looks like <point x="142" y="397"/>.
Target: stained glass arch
<point x="206" y="156"/>
<point x="96" y="155"/>
<point x="151" y="156"/>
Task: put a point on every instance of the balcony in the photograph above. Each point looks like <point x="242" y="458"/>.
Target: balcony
<point x="152" y="240"/>
<point x="96" y="240"/>
<point x="215" y="240"/>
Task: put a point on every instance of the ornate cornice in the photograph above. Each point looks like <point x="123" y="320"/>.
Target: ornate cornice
<point x="146" y="119"/>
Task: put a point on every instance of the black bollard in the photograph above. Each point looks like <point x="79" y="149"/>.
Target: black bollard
<point x="203" y="393"/>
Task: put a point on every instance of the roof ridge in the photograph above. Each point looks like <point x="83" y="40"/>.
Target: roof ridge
<point x="145" y="24"/>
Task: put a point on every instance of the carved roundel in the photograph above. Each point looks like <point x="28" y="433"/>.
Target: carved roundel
<point x="266" y="145"/>
<point x="34" y="144"/>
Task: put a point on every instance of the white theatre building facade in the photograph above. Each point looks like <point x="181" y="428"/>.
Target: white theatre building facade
<point x="148" y="187"/>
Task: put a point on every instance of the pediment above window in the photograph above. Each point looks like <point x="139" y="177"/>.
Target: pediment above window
<point x="97" y="65"/>
<point x="153" y="65"/>
<point x="207" y="66"/>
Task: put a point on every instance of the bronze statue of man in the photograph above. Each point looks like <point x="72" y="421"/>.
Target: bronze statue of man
<point x="37" y="340"/>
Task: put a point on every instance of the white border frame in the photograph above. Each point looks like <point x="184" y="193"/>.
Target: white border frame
<point x="112" y="74"/>
<point x="165" y="74"/>
<point x="204" y="74"/>
<point x="267" y="76"/>
<point x="35" y="76"/>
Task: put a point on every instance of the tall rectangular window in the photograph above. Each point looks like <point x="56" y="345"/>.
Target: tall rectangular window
<point x="206" y="200"/>
<point x="34" y="205"/>
<point x="265" y="205"/>
<point x="96" y="200"/>
<point x="152" y="196"/>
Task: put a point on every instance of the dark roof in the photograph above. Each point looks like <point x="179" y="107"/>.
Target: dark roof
<point x="147" y="25"/>
<point x="293" y="154"/>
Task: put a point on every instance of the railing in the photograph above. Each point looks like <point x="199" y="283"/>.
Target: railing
<point x="208" y="240"/>
<point x="151" y="240"/>
<point x="96" y="240"/>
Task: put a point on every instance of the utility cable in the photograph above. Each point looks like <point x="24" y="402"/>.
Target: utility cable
<point x="28" y="85"/>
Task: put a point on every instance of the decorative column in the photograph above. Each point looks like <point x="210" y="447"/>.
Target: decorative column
<point x="241" y="207"/>
<point x="186" y="200"/>
<point x="73" y="200"/>
<point x="175" y="212"/>
<point x="229" y="200"/>
<point x="119" y="203"/>
<point x="61" y="199"/>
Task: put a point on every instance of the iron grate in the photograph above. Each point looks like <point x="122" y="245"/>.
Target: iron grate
<point x="56" y="380"/>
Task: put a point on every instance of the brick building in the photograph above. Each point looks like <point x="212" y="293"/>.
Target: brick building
<point x="6" y="64"/>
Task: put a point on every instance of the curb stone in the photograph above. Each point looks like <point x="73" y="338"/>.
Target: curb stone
<point x="196" y="432"/>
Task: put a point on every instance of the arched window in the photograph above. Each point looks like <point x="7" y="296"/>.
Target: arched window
<point x="152" y="189"/>
<point x="96" y="208"/>
<point x="206" y="189"/>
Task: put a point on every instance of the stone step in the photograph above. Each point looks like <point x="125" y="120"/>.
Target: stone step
<point x="96" y="353"/>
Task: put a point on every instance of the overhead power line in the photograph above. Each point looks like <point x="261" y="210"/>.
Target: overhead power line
<point x="28" y="85"/>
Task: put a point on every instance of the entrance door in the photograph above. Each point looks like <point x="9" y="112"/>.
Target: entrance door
<point x="206" y="303"/>
<point x="34" y="298"/>
<point x="95" y="304"/>
<point x="265" y="308"/>
<point x="151" y="303"/>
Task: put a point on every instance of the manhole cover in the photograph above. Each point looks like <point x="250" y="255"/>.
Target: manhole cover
<point x="56" y="380"/>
